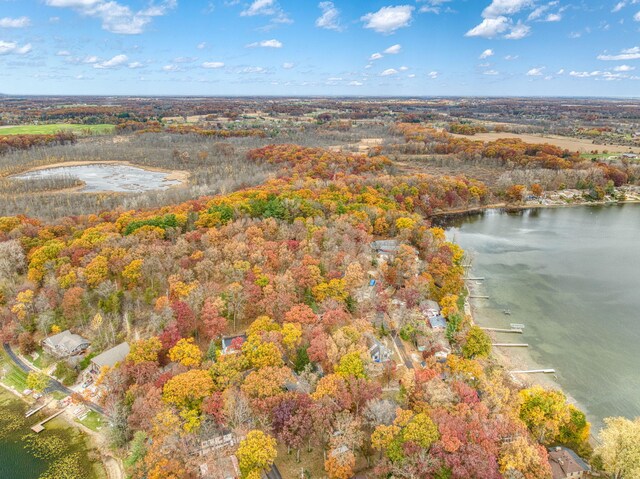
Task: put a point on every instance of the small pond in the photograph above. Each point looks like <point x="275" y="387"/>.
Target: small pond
<point x="106" y="177"/>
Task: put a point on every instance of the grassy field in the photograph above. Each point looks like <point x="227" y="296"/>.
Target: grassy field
<point x="13" y="376"/>
<point x="54" y="128"/>
<point x="93" y="421"/>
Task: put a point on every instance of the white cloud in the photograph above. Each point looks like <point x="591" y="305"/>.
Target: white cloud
<point x="393" y="49"/>
<point x="432" y="6"/>
<point x="553" y="17"/>
<point x="510" y="58"/>
<point x="389" y="19"/>
<point x="498" y="8"/>
<point x="117" y="18"/>
<point x="620" y="5"/>
<point x="115" y="62"/>
<point x="201" y="45"/>
<point x="627" y="54"/>
<point x="20" y="22"/>
<point x="535" y="72"/>
<point x="403" y="68"/>
<point x="288" y="65"/>
<point x="489" y="27"/>
<point x="389" y="72"/>
<point x="486" y="54"/>
<point x="375" y="56"/>
<point x="412" y="75"/>
<point x="171" y="68"/>
<point x="213" y="65"/>
<point x="518" y="31"/>
<point x="12" y="48"/>
<point x="134" y="65"/>
<point x="267" y="8"/>
<point x="433" y="75"/>
<point x="330" y="18"/>
<point x="273" y="43"/>
<point x="624" y="68"/>
<point x="560" y="72"/>
<point x="636" y="17"/>
<point x="248" y="70"/>
<point x="356" y="83"/>
<point x="63" y="53"/>
<point x="490" y="72"/>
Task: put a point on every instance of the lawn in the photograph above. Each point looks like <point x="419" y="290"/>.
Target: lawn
<point x="54" y="128"/>
<point x="93" y="421"/>
<point x="12" y="375"/>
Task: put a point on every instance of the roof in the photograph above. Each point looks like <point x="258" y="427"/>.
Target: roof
<point x="564" y="461"/>
<point x="429" y="304"/>
<point x="66" y="341"/>
<point x="112" y="356"/>
<point x="437" y="321"/>
<point x="390" y="246"/>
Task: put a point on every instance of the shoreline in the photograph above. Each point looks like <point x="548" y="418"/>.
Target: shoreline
<point x="172" y="175"/>
<point x="110" y="465"/>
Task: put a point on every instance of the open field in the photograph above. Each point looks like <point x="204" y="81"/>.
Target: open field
<point x="54" y="128"/>
<point x="571" y="144"/>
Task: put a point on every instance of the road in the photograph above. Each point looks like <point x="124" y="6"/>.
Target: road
<point x="403" y="352"/>
<point x="53" y="384"/>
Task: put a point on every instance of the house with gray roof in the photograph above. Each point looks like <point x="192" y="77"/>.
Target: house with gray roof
<point x="109" y="358"/>
<point x="65" y="344"/>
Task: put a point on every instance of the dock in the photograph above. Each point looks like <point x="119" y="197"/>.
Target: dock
<point x="535" y="371"/>
<point x="31" y="412"/>
<point x="475" y="279"/>
<point x="478" y="297"/>
<point x="511" y="345"/>
<point x="40" y="426"/>
<point x="503" y="330"/>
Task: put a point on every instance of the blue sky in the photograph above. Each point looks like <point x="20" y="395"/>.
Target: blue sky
<point x="308" y="47"/>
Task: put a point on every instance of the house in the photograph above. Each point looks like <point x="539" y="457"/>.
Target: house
<point x="231" y="344"/>
<point x="65" y="344"/>
<point x="220" y="468"/>
<point x="109" y="358"/>
<point x="437" y="322"/>
<point x="385" y="249"/>
<point x="566" y="464"/>
<point x="378" y="351"/>
<point x="430" y="308"/>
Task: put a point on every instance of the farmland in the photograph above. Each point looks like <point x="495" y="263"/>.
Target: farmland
<point x="49" y="129"/>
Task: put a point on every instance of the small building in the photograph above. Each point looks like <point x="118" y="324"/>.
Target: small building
<point x="65" y="344"/>
<point x="437" y="322"/>
<point x="109" y="358"/>
<point x="566" y="464"/>
<point x="429" y="307"/>
<point x="378" y="351"/>
<point x="231" y="344"/>
<point x="385" y="249"/>
<point x="225" y="467"/>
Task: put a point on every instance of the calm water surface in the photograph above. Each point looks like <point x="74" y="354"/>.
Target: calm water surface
<point x="106" y="177"/>
<point x="572" y="276"/>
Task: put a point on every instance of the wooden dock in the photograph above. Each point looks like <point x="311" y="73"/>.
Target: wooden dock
<point x="40" y="426"/>
<point x="503" y="330"/>
<point x="478" y="297"/>
<point x="475" y="279"/>
<point x="511" y="345"/>
<point x="31" y="412"/>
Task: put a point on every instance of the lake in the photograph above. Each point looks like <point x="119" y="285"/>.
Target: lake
<point x="25" y="455"/>
<point x="107" y="177"/>
<point x="572" y="277"/>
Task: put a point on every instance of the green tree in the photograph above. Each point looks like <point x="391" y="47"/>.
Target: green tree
<point x="619" y="449"/>
<point x="478" y="344"/>
<point x="37" y="381"/>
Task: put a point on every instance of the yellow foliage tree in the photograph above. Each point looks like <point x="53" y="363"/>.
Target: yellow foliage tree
<point x="256" y="453"/>
<point x="186" y="352"/>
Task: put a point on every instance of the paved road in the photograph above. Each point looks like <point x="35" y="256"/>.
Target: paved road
<point x="273" y="473"/>
<point x="403" y="352"/>
<point x="53" y="384"/>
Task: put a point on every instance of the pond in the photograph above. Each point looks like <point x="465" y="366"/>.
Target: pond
<point x="572" y="277"/>
<point x="103" y="177"/>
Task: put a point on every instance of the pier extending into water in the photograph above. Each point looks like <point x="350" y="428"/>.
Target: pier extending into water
<point x="40" y="426"/>
<point x="503" y="330"/>
<point x="534" y="371"/>
<point x="511" y="345"/>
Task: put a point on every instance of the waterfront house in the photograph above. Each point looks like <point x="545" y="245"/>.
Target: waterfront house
<point x="65" y="344"/>
<point x="109" y="358"/>
<point x="566" y="464"/>
<point x="378" y="351"/>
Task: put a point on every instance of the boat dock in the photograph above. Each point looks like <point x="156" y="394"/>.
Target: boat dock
<point x="503" y="330"/>
<point x="31" y="412"/>
<point x="511" y="345"/>
<point x="40" y="426"/>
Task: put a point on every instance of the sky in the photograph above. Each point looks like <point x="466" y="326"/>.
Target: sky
<point x="324" y="48"/>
